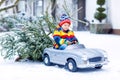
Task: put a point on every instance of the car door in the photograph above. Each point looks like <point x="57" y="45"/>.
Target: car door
<point x="59" y="57"/>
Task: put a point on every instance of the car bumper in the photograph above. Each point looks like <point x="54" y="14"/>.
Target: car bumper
<point x="88" y="64"/>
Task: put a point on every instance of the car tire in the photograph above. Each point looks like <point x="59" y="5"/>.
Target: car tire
<point x="46" y="60"/>
<point x="98" y="67"/>
<point x="71" y="65"/>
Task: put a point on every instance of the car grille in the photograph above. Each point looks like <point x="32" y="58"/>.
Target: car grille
<point x="95" y="59"/>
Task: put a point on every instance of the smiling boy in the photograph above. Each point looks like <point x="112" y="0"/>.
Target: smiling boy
<point x="62" y="35"/>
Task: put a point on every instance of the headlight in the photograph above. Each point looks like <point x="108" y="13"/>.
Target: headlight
<point x="84" y="57"/>
<point x="105" y="55"/>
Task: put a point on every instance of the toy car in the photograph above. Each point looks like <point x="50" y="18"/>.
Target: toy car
<point x="75" y="56"/>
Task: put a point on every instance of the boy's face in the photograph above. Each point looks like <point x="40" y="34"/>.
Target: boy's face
<point x="66" y="26"/>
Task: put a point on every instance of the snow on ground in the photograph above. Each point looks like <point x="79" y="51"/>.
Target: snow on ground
<point x="10" y="70"/>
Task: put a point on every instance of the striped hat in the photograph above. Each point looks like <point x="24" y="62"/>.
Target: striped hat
<point x="64" y="19"/>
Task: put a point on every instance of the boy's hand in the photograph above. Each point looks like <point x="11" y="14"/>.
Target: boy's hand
<point x="69" y="43"/>
<point x="74" y="42"/>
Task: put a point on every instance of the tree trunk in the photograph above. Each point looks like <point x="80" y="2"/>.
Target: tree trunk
<point x="81" y="14"/>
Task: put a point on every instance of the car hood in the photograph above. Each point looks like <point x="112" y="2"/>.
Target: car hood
<point x="87" y="52"/>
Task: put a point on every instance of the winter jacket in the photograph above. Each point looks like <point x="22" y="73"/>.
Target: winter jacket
<point x="62" y="37"/>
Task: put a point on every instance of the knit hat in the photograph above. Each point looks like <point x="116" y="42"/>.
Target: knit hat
<point x="64" y="19"/>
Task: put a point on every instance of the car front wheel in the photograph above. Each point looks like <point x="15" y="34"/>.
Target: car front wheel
<point x="71" y="65"/>
<point x="46" y="60"/>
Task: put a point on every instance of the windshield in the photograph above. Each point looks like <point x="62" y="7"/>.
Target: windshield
<point x="75" y="46"/>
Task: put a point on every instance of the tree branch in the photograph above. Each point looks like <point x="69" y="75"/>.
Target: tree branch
<point x="66" y="9"/>
<point x="8" y="7"/>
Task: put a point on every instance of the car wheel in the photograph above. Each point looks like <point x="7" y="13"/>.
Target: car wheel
<point x="47" y="60"/>
<point x="71" y="65"/>
<point x="98" y="67"/>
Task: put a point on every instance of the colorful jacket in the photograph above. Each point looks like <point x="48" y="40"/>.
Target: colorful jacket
<point x="62" y="37"/>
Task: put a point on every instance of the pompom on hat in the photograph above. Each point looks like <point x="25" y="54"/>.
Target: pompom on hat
<point x="64" y="19"/>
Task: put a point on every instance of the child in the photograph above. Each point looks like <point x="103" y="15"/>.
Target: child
<point x="62" y="35"/>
